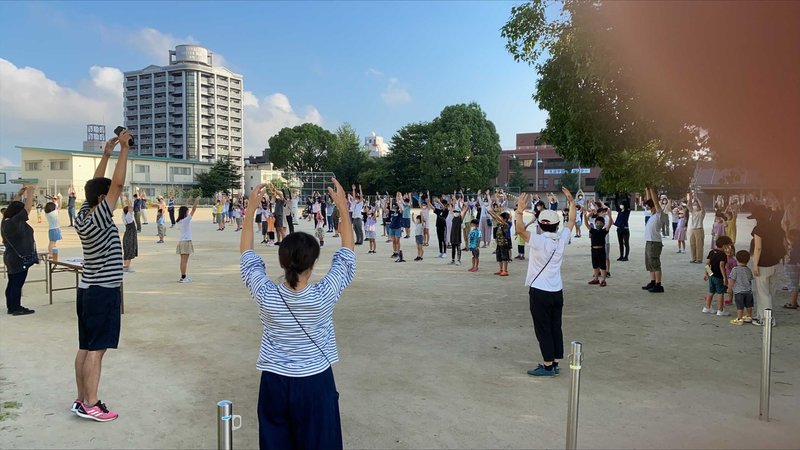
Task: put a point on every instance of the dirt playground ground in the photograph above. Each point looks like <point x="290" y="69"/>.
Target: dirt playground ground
<point x="431" y="356"/>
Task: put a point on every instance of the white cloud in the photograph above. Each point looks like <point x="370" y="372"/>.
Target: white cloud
<point x="157" y="44"/>
<point x="36" y="110"/>
<point x="395" y="94"/>
<point x="263" y="118"/>
<point x="374" y="73"/>
<point x="5" y="162"/>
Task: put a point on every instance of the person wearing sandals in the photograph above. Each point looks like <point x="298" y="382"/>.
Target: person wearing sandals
<point x="130" y="242"/>
<point x="298" y="404"/>
<point x="545" y="288"/>
<point x="18" y="238"/>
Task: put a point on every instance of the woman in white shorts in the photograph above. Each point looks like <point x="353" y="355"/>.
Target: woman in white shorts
<point x="185" y="247"/>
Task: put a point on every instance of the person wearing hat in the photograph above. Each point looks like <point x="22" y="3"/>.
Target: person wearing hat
<point x="545" y="288"/>
<point x="767" y="248"/>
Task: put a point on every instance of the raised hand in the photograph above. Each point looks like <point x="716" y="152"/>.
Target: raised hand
<point x="567" y="193"/>
<point x="258" y="193"/>
<point x="522" y="202"/>
<point x="109" y="147"/>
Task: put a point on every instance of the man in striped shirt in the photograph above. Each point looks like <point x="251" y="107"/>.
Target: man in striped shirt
<point x="298" y="406"/>
<point x="98" y="305"/>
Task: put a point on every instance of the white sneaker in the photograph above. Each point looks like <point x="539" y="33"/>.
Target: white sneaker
<point x="709" y="310"/>
<point x="723" y="313"/>
<point x="185" y="280"/>
<point x="458" y="263"/>
<point x="451" y="263"/>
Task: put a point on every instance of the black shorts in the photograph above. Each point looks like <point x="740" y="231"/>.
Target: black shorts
<point x="279" y="221"/>
<point x="503" y="254"/>
<point x="599" y="258"/>
<point x="406" y="223"/>
<point x="476" y="252"/>
<point x="99" y="318"/>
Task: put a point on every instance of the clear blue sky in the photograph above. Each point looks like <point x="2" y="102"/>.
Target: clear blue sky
<point x="377" y="65"/>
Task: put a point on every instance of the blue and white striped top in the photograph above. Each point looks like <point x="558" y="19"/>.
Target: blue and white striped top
<point x="285" y="348"/>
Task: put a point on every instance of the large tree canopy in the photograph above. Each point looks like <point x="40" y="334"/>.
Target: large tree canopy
<point x="594" y="117"/>
<point x="458" y="149"/>
<point x="348" y="158"/>
<point x="224" y="176"/>
<point x="304" y="148"/>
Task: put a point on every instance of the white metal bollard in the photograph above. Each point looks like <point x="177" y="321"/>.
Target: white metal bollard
<point x="575" y="359"/>
<point x="766" y="365"/>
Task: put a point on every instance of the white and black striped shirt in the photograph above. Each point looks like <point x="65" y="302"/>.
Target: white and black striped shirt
<point x="285" y="348"/>
<point x="102" y="249"/>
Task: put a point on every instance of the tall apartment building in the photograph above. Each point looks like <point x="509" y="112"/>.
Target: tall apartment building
<point x="190" y="109"/>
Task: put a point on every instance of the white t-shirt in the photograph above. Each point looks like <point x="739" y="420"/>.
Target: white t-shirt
<point x="542" y="247"/>
<point x="186" y="228"/>
<point x="357" y="207"/>
<point x="127" y="218"/>
<point x="652" y="230"/>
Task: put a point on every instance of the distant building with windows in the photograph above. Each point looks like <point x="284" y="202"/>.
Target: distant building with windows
<point x="8" y="189"/>
<point x="377" y="147"/>
<point x="56" y="169"/>
<point x="189" y="109"/>
<point x="542" y="166"/>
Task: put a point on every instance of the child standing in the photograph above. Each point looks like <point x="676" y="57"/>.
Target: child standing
<point x="473" y="241"/>
<point x="503" y="242"/>
<point x="419" y="236"/>
<point x="718" y="229"/>
<point x="716" y="277"/>
<point x="320" y="232"/>
<point x="53" y="229"/>
<point x="598" y="230"/>
<point x="455" y="237"/>
<point x="680" y="230"/>
<point x="369" y="229"/>
<point x="730" y="253"/>
<point x="740" y="280"/>
<point x="793" y="267"/>
<point x="161" y="225"/>
<point x="130" y="240"/>
<point x="185" y="247"/>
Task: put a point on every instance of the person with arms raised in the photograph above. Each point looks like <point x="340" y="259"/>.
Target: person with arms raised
<point x="98" y="297"/>
<point x="298" y="405"/>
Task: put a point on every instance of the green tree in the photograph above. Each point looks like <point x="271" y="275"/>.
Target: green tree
<point x="518" y="179"/>
<point x="303" y="148"/>
<point x="348" y="158"/>
<point x="224" y="176"/>
<point x="594" y="117"/>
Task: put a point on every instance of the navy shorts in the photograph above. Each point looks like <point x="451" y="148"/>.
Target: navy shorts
<point x="99" y="318"/>
<point x="395" y="232"/>
<point x="406" y="223"/>
<point x="716" y="286"/>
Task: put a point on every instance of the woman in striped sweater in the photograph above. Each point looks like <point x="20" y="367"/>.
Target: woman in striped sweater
<point x="298" y="405"/>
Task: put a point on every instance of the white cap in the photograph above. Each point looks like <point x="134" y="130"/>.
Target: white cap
<point x="549" y="216"/>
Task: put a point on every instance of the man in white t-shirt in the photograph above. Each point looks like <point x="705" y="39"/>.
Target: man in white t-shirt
<point x="653" y="244"/>
<point x="545" y="289"/>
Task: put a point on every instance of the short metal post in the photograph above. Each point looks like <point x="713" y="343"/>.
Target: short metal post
<point x="766" y="365"/>
<point x="225" y="425"/>
<point x="575" y="359"/>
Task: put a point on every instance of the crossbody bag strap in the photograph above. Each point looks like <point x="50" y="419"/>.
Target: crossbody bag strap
<point x="543" y="267"/>
<point x="8" y="241"/>
<point x="301" y="326"/>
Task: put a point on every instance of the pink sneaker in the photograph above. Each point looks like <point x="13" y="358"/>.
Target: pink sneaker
<point x="98" y="412"/>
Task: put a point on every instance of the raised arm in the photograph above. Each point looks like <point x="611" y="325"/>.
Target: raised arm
<point x="338" y="195"/>
<point x="656" y="202"/>
<point x="699" y="203"/>
<point x="519" y="227"/>
<point x="194" y="207"/>
<point x="572" y="211"/>
<point x="428" y="200"/>
<point x="120" y="170"/>
<point x="27" y="191"/>
<point x="610" y="218"/>
<point x="107" y="150"/>
<point x="246" y="239"/>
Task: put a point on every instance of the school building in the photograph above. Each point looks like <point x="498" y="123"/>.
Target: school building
<point x="56" y="169"/>
<point x="542" y="166"/>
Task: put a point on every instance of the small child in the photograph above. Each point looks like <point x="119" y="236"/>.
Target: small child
<point x="270" y="227"/>
<point x="320" y="232"/>
<point x="598" y="227"/>
<point x="716" y="277"/>
<point x="369" y="230"/>
<point x="419" y="236"/>
<point x="473" y="239"/>
<point x="717" y="230"/>
<point x="54" y="229"/>
<point x="793" y="267"/>
<point x="520" y="248"/>
<point x="740" y="280"/>
<point x="162" y="228"/>
<point x="237" y="217"/>
<point x="730" y="252"/>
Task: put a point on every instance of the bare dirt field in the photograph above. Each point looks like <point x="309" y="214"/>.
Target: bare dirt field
<point x="431" y="356"/>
